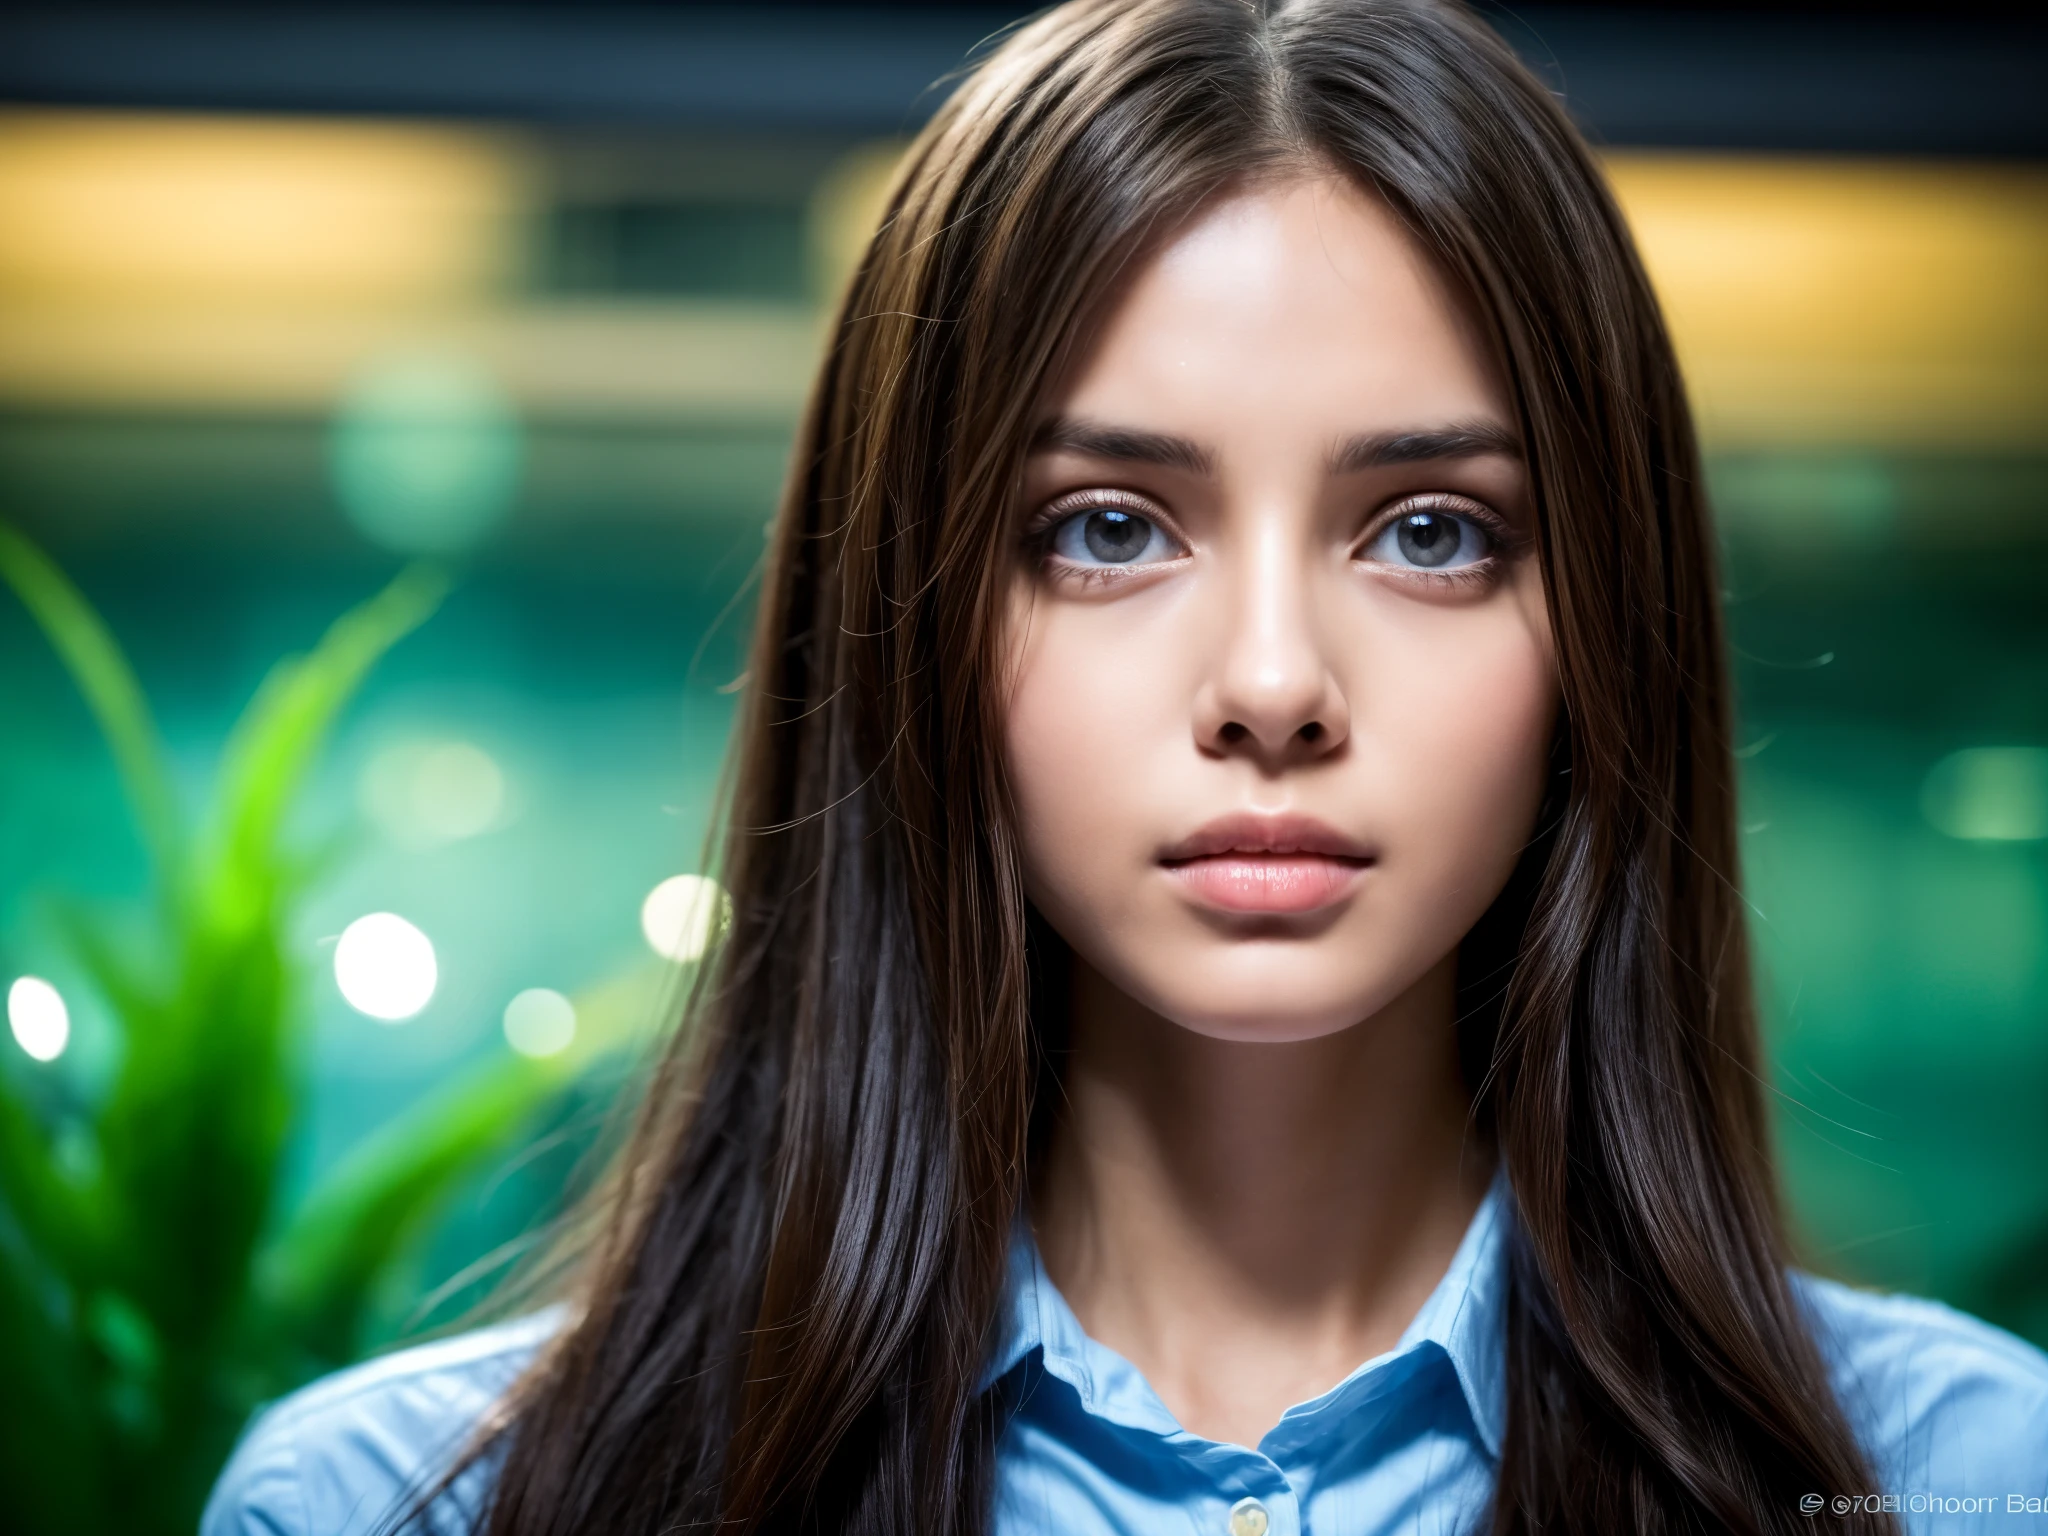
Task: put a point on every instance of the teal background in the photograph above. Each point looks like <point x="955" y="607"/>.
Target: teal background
<point x="1904" y="972"/>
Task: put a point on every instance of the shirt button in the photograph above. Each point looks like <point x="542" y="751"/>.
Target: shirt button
<point x="1248" y="1518"/>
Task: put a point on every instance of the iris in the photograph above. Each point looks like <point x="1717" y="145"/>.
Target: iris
<point x="1117" y="537"/>
<point x="1430" y="539"/>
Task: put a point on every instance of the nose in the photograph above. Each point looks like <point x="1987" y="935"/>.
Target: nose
<point x="1271" y="692"/>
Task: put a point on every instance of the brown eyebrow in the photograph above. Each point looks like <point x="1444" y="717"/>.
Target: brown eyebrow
<point x="1125" y="444"/>
<point x="1367" y="450"/>
<point x="1465" y="440"/>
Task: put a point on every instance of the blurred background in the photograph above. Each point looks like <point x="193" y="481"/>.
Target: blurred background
<point x="320" y="973"/>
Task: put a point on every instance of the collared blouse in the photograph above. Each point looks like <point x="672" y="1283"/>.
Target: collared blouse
<point x="1951" y="1412"/>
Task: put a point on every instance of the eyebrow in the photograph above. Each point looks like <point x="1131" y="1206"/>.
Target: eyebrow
<point x="1462" y="440"/>
<point x="1125" y="444"/>
<point x="1366" y="450"/>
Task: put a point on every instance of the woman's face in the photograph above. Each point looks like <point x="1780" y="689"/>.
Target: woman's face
<point x="1281" y="685"/>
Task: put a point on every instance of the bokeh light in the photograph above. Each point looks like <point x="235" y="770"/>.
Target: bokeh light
<point x="681" y="916"/>
<point x="419" y="793"/>
<point x="1989" y="794"/>
<point x="425" y="453"/>
<point x="540" y="1022"/>
<point x="385" y="967"/>
<point x="38" y="1017"/>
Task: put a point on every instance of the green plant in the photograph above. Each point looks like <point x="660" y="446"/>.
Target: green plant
<point x="150" y="1293"/>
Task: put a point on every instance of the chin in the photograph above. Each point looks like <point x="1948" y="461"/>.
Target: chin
<point x="1266" y="1028"/>
<point x="1270" y="1009"/>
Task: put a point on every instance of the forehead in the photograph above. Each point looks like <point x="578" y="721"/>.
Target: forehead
<point x="1303" y="301"/>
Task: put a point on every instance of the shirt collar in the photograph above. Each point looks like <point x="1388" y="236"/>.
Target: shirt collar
<point x="1461" y="1322"/>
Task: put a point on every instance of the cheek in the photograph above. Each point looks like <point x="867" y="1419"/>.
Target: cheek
<point x="1077" y="724"/>
<point x="1463" y="716"/>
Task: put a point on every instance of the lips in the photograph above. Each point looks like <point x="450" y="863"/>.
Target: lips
<point x="1267" y="864"/>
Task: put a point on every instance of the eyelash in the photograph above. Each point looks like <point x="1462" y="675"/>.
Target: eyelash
<point x="1038" y="534"/>
<point x="1501" y="536"/>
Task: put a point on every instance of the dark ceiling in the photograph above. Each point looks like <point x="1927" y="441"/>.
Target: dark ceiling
<point x="1959" y="80"/>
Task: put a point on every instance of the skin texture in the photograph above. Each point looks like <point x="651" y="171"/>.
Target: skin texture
<point x="1263" y="1165"/>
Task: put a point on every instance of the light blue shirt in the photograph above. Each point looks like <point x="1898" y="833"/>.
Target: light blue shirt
<point x="1951" y="1412"/>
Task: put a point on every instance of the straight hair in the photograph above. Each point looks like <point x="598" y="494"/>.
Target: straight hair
<point x="799" y="1268"/>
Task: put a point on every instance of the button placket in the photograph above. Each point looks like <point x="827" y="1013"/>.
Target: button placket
<point x="1250" y="1517"/>
<point x="1272" y="1511"/>
<point x="1256" y="1498"/>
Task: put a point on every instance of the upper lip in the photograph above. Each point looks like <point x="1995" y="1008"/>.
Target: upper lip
<point x="1251" y="832"/>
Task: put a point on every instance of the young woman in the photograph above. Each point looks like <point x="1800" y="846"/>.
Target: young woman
<point x="1236" y="1015"/>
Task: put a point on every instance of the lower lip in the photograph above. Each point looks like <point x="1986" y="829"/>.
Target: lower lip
<point x="1280" y="882"/>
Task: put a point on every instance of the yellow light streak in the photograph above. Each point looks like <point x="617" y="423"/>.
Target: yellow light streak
<point x="152" y="208"/>
<point x="1856" y="302"/>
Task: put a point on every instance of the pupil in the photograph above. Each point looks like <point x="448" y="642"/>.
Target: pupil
<point x="1428" y="538"/>
<point x="1116" y="536"/>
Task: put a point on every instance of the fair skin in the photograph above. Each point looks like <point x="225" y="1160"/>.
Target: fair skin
<point x="1280" y="690"/>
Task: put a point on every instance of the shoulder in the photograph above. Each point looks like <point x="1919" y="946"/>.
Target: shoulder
<point x="334" y="1458"/>
<point x="1943" y="1403"/>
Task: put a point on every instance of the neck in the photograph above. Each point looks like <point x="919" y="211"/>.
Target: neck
<point x="1247" y="1222"/>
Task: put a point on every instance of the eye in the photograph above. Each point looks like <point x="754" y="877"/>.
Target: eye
<point x="1109" y="535"/>
<point x="1431" y="539"/>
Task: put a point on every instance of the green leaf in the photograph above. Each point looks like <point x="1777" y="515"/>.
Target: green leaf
<point x="96" y="663"/>
<point x="128" y="1350"/>
<point x="52" y="1465"/>
<point x="284" y="725"/>
<point x="194" y="1126"/>
<point x="55" y="1218"/>
<point x="321" y="1271"/>
<point x="116" y="957"/>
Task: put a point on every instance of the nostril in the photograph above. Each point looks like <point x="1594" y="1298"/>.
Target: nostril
<point x="1233" y="732"/>
<point x="1313" y="731"/>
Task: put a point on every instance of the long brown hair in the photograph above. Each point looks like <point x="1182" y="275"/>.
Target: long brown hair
<point x="802" y="1259"/>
